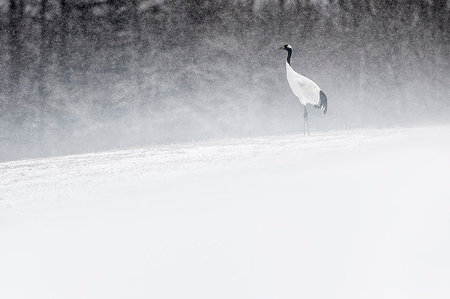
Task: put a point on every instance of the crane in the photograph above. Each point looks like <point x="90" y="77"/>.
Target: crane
<point x="305" y="89"/>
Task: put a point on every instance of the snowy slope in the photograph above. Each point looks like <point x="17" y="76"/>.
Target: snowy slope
<point x="358" y="214"/>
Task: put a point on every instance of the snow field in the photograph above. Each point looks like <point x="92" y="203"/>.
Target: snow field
<point x="360" y="214"/>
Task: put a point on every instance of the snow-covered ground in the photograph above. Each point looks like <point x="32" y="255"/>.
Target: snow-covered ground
<point x="357" y="214"/>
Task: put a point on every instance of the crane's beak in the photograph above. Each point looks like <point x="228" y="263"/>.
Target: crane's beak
<point x="280" y="48"/>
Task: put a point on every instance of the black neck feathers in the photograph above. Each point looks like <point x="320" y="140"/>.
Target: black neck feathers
<point x="289" y="56"/>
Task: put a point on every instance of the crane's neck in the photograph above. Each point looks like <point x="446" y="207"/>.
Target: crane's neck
<point x="289" y="56"/>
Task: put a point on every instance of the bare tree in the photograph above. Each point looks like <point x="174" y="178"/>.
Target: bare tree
<point x="62" y="47"/>
<point x="44" y="48"/>
<point x="15" y="14"/>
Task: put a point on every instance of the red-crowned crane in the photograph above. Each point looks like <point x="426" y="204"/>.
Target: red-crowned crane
<point x="305" y="89"/>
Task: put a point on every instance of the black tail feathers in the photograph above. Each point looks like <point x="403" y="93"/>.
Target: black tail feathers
<point x="323" y="102"/>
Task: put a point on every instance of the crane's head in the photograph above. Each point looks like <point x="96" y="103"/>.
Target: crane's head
<point x="286" y="47"/>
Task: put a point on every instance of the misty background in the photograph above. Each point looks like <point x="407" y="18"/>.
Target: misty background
<point x="81" y="76"/>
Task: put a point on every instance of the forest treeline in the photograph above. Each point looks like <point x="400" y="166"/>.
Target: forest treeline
<point x="90" y="75"/>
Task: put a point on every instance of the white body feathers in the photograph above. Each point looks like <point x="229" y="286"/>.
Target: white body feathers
<point x="305" y="89"/>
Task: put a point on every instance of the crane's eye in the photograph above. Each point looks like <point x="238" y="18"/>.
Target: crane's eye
<point x="286" y="46"/>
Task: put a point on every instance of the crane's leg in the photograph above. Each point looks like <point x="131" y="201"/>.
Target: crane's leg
<point x="305" y="117"/>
